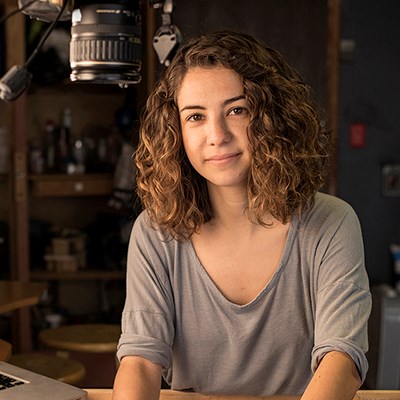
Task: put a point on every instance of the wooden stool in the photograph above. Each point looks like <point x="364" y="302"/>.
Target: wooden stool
<point x="5" y="350"/>
<point x="61" y="369"/>
<point x="90" y="344"/>
<point x="90" y="338"/>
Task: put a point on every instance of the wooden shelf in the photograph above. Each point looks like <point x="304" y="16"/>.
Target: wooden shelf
<point x="79" y="185"/>
<point x="78" y="88"/>
<point x="81" y="275"/>
<point x="41" y="197"/>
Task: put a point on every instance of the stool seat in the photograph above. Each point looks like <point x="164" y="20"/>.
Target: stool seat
<point x="62" y="369"/>
<point x="91" y="338"/>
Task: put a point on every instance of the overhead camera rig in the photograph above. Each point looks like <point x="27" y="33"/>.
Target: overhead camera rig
<point x="105" y="40"/>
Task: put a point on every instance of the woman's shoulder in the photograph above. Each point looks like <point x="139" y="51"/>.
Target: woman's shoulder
<point x="330" y="203"/>
<point x="145" y="229"/>
<point x="331" y="209"/>
<point x="142" y="219"/>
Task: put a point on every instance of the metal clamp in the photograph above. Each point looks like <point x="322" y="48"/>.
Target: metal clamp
<point x="168" y="37"/>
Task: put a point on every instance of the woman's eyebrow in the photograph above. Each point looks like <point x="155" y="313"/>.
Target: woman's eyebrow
<point x="224" y="103"/>
<point x="192" y="107"/>
<point x="233" y="99"/>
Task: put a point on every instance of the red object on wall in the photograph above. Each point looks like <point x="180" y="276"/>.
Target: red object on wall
<point x="358" y="135"/>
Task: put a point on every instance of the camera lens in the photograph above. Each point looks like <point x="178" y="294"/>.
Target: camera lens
<point x="106" y="42"/>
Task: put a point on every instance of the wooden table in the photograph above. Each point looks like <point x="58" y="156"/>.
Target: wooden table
<point x="105" y="394"/>
<point x="15" y="294"/>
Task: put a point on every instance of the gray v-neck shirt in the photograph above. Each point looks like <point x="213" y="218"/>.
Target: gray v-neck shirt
<point x="317" y="301"/>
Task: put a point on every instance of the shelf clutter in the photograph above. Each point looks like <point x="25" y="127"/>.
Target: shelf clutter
<point x="67" y="252"/>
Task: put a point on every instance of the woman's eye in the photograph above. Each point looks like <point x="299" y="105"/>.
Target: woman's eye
<point x="238" y="111"/>
<point x="194" y="117"/>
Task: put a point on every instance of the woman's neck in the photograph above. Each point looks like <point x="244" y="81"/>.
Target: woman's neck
<point x="230" y="208"/>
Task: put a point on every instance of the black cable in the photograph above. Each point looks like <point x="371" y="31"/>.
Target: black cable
<point x="17" y="79"/>
<point x="5" y="17"/>
<point x="46" y="35"/>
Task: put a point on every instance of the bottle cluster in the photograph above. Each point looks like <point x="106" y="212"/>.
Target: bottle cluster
<point x="63" y="151"/>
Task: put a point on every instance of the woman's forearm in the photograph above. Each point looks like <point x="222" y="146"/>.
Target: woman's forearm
<point x="336" y="378"/>
<point x="137" y="379"/>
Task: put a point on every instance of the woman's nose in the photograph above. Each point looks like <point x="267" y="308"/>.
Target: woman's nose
<point x="218" y="132"/>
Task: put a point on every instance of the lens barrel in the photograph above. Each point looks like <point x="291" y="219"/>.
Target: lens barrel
<point x="106" y="43"/>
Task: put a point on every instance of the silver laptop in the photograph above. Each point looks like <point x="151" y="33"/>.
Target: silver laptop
<point x="20" y="384"/>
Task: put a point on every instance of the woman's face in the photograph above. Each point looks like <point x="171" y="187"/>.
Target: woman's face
<point x="214" y="117"/>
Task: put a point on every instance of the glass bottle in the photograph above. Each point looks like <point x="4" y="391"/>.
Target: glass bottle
<point x="50" y="146"/>
<point x="64" y="142"/>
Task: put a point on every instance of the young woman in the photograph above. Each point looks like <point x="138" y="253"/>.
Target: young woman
<point x="242" y="278"/>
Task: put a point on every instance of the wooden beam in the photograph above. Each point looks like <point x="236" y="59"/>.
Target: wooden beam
<point x="15" y="55"/>
<point x="148" y="51"/>
<point x="333" y="86"/>
<point x="18" y="196"/>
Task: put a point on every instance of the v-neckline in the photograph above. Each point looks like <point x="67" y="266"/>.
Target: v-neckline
<point x="267" y="287"/>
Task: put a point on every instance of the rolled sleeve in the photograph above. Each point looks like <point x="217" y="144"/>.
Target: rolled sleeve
<point x="142" y="341"/>
<point x="343" y="302"/>
<point x="342" y="325"/>
<point x="148" y="317"/>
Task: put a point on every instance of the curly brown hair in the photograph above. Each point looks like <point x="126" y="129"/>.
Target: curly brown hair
<point x="288" y="141"/>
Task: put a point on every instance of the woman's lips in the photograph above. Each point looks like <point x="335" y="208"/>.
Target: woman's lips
<point x="221" y="158"/>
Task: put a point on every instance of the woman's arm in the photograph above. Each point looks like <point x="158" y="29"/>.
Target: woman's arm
<point x="137" y="379"/>
<point x="336" y="378"/>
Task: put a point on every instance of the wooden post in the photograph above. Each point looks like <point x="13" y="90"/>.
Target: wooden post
<point x="333" y="85"/>
<point x="18" y="197"/>
<point x="148" y="51"/>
